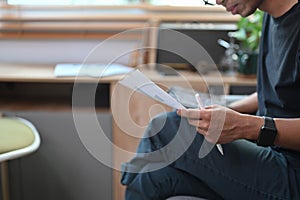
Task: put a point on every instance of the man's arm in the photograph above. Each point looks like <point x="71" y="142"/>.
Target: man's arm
<point x="288" y="129"/>
<point x="248" y="105"/>
<point x="288" y="133"/>
<point x="240" y="126"/>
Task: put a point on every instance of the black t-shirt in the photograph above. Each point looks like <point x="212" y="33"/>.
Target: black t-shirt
<point x="279" y="65"/>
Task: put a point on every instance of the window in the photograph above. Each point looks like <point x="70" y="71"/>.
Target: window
<point x="68" y="2"/>
<point x="99" y="18"/>
<point x="108" y="2"/>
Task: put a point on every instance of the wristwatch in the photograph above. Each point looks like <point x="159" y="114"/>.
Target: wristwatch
<point x="267" y="133"/>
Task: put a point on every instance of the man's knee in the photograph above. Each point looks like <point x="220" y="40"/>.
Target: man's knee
<point x="163" y="121"/>
<point x="164" y="125"/>
<point x="170" y="131"/>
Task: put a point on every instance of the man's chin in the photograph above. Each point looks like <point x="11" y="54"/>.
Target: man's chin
<point x="246" y="13"/>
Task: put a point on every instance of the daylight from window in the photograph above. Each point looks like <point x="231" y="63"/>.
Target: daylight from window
<point x="108" y="2"/>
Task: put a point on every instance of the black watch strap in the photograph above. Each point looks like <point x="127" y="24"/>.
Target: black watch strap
<point x="267" y="133"/>
<point x="269" y="122"/>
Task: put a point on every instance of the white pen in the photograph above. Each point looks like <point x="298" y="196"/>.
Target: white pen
<point x="201" y="106"/>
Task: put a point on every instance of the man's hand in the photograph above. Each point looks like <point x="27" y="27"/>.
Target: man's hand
<point x="221" y="125"/>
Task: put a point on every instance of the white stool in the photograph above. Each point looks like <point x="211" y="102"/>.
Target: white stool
<point x="18" y="137"/>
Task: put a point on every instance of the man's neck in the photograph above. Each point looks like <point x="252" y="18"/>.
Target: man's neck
<point x="277" y="8"/>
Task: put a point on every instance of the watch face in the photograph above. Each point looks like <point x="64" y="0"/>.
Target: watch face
<point x="267" y="136"/>
<point x="267" y="133"/>
<point x="266" y="128"/>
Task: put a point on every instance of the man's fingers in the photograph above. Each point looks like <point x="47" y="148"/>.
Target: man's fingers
<point x="189" y="113"/>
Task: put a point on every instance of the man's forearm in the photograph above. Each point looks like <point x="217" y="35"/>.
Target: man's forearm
<point x="288" y="133"/>
<point x="248" y="105"/>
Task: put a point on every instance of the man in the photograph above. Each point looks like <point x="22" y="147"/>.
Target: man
<point x="261" y="153"/>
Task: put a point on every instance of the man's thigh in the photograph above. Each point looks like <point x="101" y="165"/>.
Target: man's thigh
<point x="245" y="171"/>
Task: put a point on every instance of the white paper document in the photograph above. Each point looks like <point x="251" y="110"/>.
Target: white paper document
<point x="90" y="70"/>
<point x="139" y="82"/>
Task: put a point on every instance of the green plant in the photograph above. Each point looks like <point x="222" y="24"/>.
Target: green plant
<point x="249" y="31"/>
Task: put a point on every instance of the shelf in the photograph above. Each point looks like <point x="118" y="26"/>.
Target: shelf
<point x="51" y="96"/>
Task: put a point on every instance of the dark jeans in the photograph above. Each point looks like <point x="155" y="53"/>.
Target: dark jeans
<point x="167" y="164"/>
